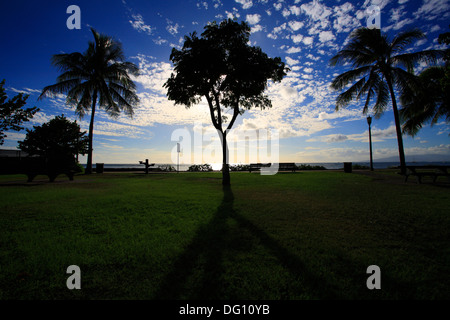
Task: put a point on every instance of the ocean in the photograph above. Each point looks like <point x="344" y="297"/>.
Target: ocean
<point x="326" y="165"/>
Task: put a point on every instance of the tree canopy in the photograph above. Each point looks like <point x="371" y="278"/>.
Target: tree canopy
<point x="57" y="138"/>
<point x="12" y="113"/>
<point x="430" y="100"/>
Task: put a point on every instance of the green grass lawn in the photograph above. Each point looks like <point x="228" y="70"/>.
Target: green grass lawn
<point x="304" y="235"/>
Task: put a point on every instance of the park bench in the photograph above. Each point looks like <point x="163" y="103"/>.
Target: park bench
<point x="34" y="166"/>
<point x="427" y="171"/>
<point x="257" y="166"/>
<point x="288" y="166"/>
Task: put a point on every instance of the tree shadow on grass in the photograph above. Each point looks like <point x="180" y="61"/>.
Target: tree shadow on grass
<point x="197" y="272"/>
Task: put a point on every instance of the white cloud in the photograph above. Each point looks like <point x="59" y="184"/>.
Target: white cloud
<point x="246" y="4"/>
<point x="295" y="25"/>
<point x="310" y="56"/>
<point x="277" y="6"/>
<point x="253" y="18"/>
<point x="25" y="90"/>
<point x="160" y="41"/>
<point x="295" y="10"/>
<point x="435" y="28"/>
<point x="325" y="36"/>
<point x="286" y="13"/>
<point x="276" y="31"/>
<point x="398" y="25"/>
<point x="291" y="61"/>
<point x="138" y="24"/>
<point x="293" y="50"/>
<point x="308" y="40"/>
<point x="154" y="106"/>
<point x="297" y="38"/>
<point x="256" y="28"/>
<point x="172" y="28"/>
<point x="316" y="10"/>
<point x="217" y="4"/>
<point x="233" y="15"/>
<point x="345" y="20"/>
<point x="378" y="135"/>
<point x="378" y="3"/>
<point x="433" y="9"/>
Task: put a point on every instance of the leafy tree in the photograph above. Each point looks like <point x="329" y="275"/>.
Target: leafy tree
<point x="57" y="138"/>
<point x="12" y="115"/>
<point x="431" y="100"/>
<point x="98" y="76"/>
<point x="376" y="65"/>
<point x="223" y="68"/>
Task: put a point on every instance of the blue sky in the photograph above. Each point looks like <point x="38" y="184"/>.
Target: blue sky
<point x="305" y="34"/>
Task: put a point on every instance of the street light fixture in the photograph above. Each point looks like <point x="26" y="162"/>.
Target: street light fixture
<point x="369" y="122"/>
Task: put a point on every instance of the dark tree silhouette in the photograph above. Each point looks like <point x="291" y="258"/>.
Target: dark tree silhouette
<point x="376" y="63"/>
<point x="431" y="101"/>
<point x="222" y="67"/>
<point x="98" y="76"/>
<point x="12" y="115"/>
<point x="57" y="138"/>
<point x="427" y="104"/>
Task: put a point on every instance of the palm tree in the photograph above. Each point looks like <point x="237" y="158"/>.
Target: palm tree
<point x="428" y="104"/>
<point x="376" y="64"/>
<point x="432" y="101"/>
<point x="98" y="76"/>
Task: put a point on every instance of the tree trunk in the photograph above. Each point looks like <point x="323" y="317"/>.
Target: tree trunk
<point x="90" y="136"/>
<point x="226" y="181"/>
<point x="398" y="129"/>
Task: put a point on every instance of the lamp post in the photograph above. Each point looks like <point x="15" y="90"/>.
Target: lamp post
<point x="178" y="160"/>
<point x="369" y="122"/>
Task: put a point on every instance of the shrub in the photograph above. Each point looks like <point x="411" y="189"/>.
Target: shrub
<point x="310" y="167"/>
<point x="240" y="167"/>
<point x="200" y="167"/>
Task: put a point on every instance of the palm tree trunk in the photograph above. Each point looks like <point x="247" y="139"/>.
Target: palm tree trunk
<point x="398" y="128"/>
<point x="91" y="136"/>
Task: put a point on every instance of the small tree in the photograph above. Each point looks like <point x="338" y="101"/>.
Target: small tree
<point x="223" y="68"/>
<point x="58" y="138"/>
<point x="12" y="115"/>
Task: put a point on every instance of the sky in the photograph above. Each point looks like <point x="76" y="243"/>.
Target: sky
<point x="302" y="124"/>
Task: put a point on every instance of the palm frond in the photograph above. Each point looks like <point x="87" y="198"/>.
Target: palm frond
<point x="347" y="96"/>
<point x="58" y="88"/>
<point x="383" y="98"/>
<point x="369" y="88"/>
<point x="342" y="80"/>
<point x="409" y="60"/>
<point x="404" y="39"/>
<point x="405" y="82"/>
